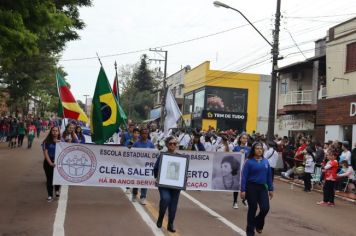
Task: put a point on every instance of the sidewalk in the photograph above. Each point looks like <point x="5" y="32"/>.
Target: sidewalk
<point x="350" y="197"/>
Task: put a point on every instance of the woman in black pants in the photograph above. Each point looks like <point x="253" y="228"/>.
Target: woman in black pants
<point x="256" y="185"/>
<point x="168" y="197"/>
<point x="49" y="148"/>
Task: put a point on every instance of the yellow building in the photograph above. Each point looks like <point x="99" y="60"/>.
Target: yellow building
<point x="225" y="100"/>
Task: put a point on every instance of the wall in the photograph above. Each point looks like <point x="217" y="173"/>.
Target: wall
<point x="336" y="60"/>
<point x="333" y="132"/>
<point x="335" y="111"/>
<point x="263" y="103"/>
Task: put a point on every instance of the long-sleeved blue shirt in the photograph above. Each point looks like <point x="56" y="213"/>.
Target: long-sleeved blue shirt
<point x="143" y="144"/>
<point x="258" y="172"/>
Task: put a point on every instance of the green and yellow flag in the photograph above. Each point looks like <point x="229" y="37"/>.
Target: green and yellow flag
<point x="105" y="113"/>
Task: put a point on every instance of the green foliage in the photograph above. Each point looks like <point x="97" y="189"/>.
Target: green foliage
<point x="32" y="34"/>
<point x="138" y="85"/>
<point x="143" y="77"/>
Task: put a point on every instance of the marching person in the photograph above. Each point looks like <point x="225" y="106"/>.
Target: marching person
<point x="31" y="130"/>
<point x="272" y="156"/>
<point x="21" y="132"/>
<point x="143" y="142"/>
<point x="168" y="197"/>
<point x="79" y="133"/>
<point x="49" y="148"/>
<point x="69" y="135"/>
<point x="256" y="186"/>
<point x="242" y="146"/>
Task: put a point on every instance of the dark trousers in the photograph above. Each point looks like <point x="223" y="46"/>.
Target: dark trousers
<point x="272" y="170"/>
<point x="49" y="176"/>
<point x="235" y="195"/>
<point x="168" y="199"/>
<point x="143" y="192"/>
<point x="307" y="181"/>
<point x="20" y="139"/>
<point x="341" y="182"/>
<point x="329" y="191"/>
<point x="256" y="194"/>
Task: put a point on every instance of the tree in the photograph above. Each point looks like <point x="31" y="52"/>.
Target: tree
<point x="138" y="87"/>
<point x="32" y="34"/>
<point x="143" y="78"/>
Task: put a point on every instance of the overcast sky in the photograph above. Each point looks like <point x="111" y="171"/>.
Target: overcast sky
<point x="117" y="26"/>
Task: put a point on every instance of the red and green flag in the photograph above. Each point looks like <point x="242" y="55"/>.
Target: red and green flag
<point x="67" y="104"/>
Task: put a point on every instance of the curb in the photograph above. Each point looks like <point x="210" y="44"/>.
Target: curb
<point x="315" y="190"/>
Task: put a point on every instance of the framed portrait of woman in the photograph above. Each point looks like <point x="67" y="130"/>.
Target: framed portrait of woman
<point x="172" y="172"/>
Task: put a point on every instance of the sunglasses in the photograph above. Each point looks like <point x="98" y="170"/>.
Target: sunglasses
<point x="175" y="144"/>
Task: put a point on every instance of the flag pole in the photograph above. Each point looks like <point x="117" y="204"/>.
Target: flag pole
<point x="101" y="64"/>
<point x="117" y="95"/>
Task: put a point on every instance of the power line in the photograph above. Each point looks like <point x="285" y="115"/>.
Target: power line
<point x="324" y="16"/>
<point x="165" y="45"/>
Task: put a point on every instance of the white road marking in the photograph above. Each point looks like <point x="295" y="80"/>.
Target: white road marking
<point x="58" y="226"/>
<point x="215" y="214"/>
<point x="145" y="217"/>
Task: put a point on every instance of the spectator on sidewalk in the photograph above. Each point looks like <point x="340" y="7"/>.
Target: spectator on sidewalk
<point x="353" y="157"/>
<point x="345" y="154"/>
<point x="309" y="169"/>
<point x="330" y="175"/>
<point x="345" y="174"/>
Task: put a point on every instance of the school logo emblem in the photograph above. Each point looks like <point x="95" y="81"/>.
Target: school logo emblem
<point x="76" y="164"/>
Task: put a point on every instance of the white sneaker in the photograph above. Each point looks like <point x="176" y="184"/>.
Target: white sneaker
<point x="143" y="201"/>
<point x="133" y="198"/>
<point x="235" y="206"/>
<point x="245" y="204"/>
<point x="50" y="199"/>
<point x="128" y="191"/>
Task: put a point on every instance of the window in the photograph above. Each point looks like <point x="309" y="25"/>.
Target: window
<point x="225" y="99"/>
<point x="188" y="103"/>
<point x="180" y="89"/>
<point x="284" y="86"/>
<point x="199" y="101"/>
<point x="351" y="57"/>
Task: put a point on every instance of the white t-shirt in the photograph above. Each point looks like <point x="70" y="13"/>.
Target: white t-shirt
<point x="184" y="140"/>
<point x="272" y="156"/>
<point x="208" y="147"/>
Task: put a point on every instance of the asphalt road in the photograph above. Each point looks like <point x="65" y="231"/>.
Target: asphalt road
<point x="109" y="211"/>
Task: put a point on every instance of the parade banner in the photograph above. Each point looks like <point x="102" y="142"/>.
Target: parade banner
<point x="113" y="166"/>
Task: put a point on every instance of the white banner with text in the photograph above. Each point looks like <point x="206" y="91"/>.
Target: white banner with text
<point x="114" y="166"/>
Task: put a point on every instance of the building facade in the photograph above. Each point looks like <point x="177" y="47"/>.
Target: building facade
<point x="336" y="112"/>
<point x="225" y="100"/>
<point x="298" y="87"/>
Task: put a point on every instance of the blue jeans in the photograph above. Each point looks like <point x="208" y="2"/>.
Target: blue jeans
<point x="168" y="199"/>
<point x="256" y="194"/>
<point x="143" y="192"/>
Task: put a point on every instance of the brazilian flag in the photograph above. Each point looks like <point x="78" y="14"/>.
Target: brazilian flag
<point x="105" y="113"/>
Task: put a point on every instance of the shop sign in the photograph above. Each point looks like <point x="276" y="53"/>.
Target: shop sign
<point x="353" y="109"/>
<point x="296" y="122"/>
<point x="223" y="115"/>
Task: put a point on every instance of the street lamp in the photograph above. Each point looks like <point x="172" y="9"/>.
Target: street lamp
<point x="275" y="52"/>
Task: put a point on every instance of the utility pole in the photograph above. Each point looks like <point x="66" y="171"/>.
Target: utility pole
<point x="86" y="104"/>
<point x="164" y="87"/>
<point x="275" y="54"/>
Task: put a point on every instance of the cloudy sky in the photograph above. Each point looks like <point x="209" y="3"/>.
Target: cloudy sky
<point x="197" y="31"/>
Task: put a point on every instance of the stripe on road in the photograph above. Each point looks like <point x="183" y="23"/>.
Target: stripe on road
<point x="215" y="214"/>
<point x="58" y="226"/>
<point x="145" y="217"/>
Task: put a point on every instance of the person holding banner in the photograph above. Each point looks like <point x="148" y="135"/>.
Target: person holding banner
<point x="256" y="186"/>
<point x="49" y="148"/>
<point x="143" y="142"/>
<point x="168" y="197"/>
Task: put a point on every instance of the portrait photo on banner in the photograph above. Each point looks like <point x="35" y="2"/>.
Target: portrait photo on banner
<point x="173" y="171"/>
<point x="226" y="171"/>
